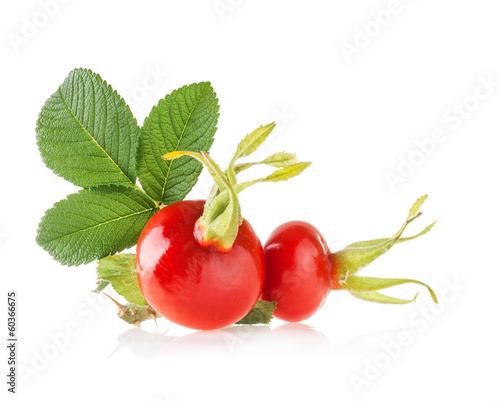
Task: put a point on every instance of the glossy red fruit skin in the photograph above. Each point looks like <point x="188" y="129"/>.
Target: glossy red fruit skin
<point x="194" y="286"/>
<point x="297" y="270"/>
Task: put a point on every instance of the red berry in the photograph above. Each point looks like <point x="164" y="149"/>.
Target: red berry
<point x="192" y="285"/>
<point x="297" y="270"/>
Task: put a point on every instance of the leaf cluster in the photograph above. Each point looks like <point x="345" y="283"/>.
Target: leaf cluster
<point x="86" y="133"/>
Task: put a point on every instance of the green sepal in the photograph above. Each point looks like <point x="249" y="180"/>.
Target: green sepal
<point x="219" y="224"/>
<point x="358" y="255"/>
<point x="261" y="313"/>
<point x="247" y="146"/>
<point x="283" y="174"/>
<point x="277" y="160"/>
<point x="374" y="296"/>
<point x="221" y="217"/>
<point x="377" y="242"/>
<point x="367" y="285"/>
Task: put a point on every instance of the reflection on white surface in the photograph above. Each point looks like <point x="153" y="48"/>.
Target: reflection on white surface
<point x="291" y="339"/>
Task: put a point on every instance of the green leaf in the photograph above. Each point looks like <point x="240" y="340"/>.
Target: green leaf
<point x="185" y="120"/>
<point x="369" y="284"/>
<point x="94" y="223"/>
<point x="261" y="313"/>
<point x="87" y="134"/>
<point x="120" y="271"/>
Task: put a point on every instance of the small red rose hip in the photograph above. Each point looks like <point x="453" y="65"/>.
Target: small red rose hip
<point x="298" y="271"/>
<point x="301" y="270"/>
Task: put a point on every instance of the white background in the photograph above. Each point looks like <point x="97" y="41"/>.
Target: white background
<point x="356" y="118"/>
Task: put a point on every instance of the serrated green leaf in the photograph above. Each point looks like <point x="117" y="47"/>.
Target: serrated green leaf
<point x="185" y="120"/>
<point x="94" y="223"/>
<point x="87" y="134"/>
<point x="261" y="313"/>
<point x="120" y="271"/>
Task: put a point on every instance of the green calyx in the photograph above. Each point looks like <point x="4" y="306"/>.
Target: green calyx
<point x="219" y="224"/>
<point x="347" y="262"/>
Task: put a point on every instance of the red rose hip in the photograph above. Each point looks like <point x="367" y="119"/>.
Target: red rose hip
<point x="193" y="285"/>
